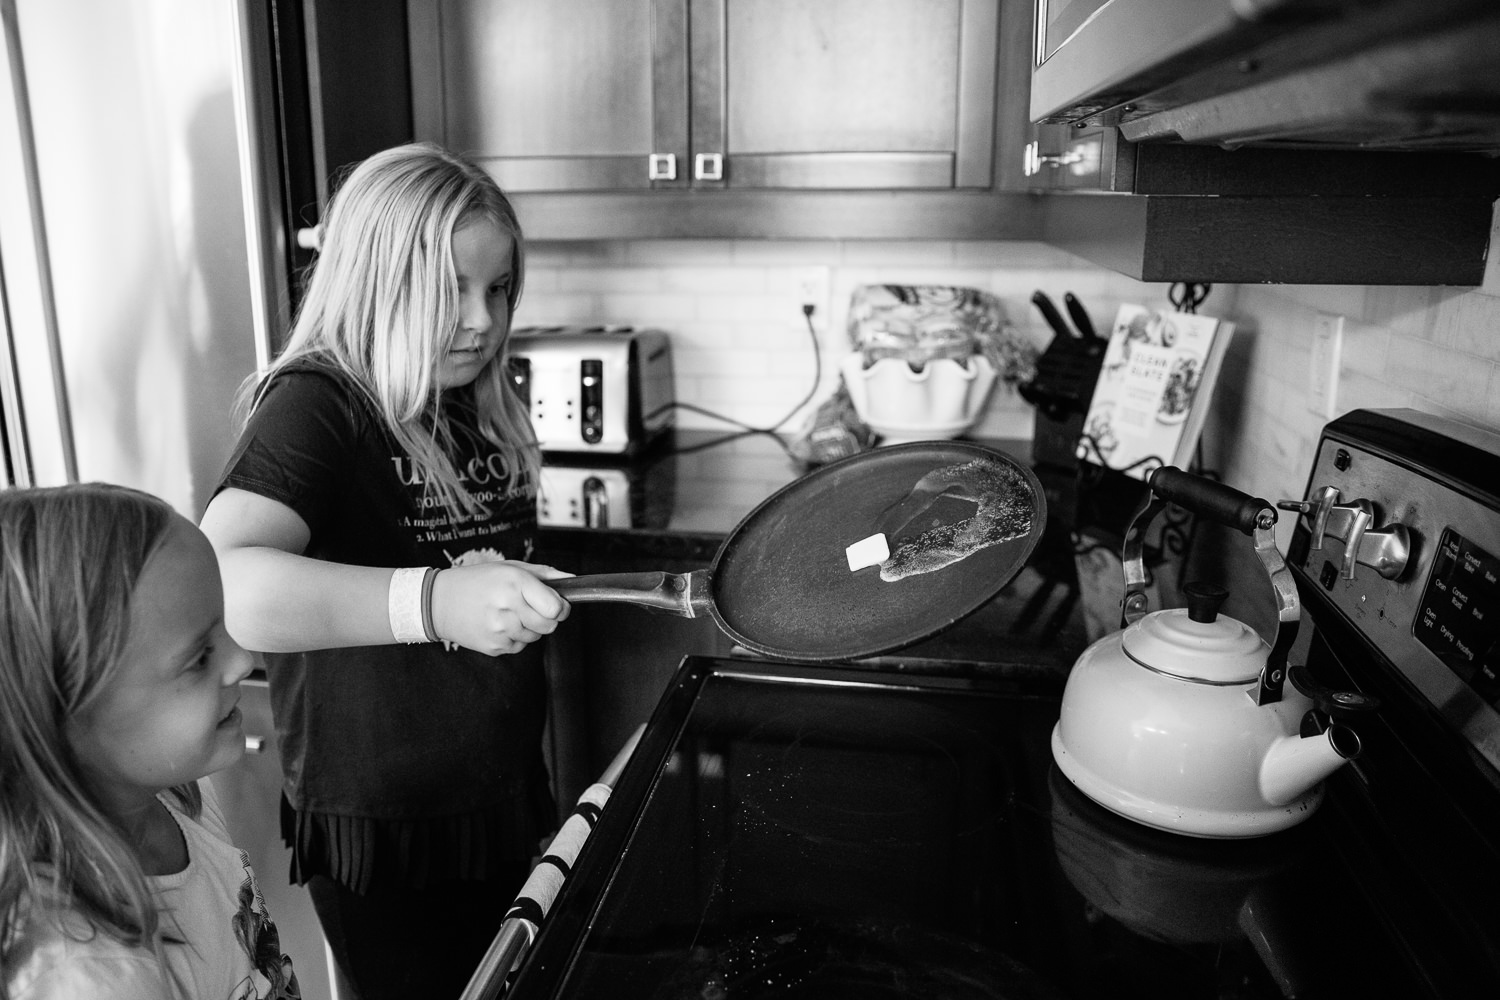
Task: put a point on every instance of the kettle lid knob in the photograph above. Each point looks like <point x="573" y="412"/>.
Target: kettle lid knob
<point x="1204" y="600"/>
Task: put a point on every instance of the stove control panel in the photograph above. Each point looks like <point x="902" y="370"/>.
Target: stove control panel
<point x="1408" y="551"/>
<point x="1459" y="612"/>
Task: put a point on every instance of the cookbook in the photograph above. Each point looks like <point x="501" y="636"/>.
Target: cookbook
<point x="1153" y="391"/>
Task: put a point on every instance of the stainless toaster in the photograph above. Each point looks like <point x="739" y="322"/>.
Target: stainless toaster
<point x="592" y="389"/>
<point x="605" y="493"/>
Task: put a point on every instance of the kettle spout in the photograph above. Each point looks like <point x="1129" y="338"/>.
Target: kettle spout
<point x="1295" y="764"/>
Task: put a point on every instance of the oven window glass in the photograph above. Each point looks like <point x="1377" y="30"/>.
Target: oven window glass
<point x="821" y="832"/>
<point x="826" y="836"/>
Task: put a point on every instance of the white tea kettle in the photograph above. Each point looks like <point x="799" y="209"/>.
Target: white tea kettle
<point x="1180" y="721"/>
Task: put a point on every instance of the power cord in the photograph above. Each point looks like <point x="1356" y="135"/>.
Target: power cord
<point x="807" y="313"/>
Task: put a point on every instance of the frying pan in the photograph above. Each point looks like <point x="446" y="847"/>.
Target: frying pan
<point x="780" y="583"/>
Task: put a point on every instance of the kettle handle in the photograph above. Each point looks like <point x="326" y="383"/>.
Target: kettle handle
<point x="1231" y="508"/>
<point x="1224" y="504"/>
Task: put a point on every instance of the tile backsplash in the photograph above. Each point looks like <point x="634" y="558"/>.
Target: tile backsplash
<point x="742" y="348"/>
<point x="734" y="309"/>
<point x="1431" y="349"/>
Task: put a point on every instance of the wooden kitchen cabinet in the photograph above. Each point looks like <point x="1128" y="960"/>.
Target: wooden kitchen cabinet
<point x="731" y="118"/>
<point x="1409" y="202"/>
<point x="249" y="795"/>
<point x="1168" y="211"/>
<point x="629" y="94"/>
<point x="564" y="95"/>
<point x="1172" y="211"/>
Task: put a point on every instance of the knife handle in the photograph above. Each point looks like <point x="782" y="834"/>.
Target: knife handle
<point x="1050" y="314"/>
<point x="1080" y="316"/>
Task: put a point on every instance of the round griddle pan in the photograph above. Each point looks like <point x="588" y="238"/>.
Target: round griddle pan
<point x="961" y="520"/>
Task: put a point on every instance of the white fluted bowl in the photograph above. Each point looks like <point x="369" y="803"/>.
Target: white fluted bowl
<point x="941" y="401"/>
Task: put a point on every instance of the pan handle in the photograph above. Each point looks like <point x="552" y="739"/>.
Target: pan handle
<point x="684" y="594"/>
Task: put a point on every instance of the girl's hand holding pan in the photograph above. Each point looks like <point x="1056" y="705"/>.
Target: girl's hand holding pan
<point x="496" y="607"/>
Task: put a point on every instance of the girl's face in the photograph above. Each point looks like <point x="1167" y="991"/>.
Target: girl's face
<point x="170" y="714"/>
<point x="482" y="255"/>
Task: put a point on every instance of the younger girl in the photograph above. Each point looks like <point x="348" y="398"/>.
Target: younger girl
<point x="118" y="693"/>
<point x="372" y="528"/>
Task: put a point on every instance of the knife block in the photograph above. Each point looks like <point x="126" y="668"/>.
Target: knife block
<point x="1054" y="440"/>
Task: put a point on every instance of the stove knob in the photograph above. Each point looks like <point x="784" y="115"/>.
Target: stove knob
<point x="1333" y="705"/>
<point x="1317" y="507"/>
<point x="1386" y="550"/>
<point x="1349" y="523"/>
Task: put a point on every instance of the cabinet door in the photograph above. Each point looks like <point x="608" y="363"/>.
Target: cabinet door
<point x="891" y="94"/>
<point x="250" y="797"/>
<point x="556" y="96"/>
<point x="805" y="116"/>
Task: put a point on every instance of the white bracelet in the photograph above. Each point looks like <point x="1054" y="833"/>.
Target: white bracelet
<point x="404" y="604"/>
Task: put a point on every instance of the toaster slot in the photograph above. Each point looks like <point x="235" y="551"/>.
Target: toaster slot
<point x="591" y="399"/>
<point x="520" y="377"/>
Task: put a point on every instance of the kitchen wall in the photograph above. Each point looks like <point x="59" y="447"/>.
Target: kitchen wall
<point x="1432" y="349"/>
<point x="742" y="348"/>
<point x="1436" y="350"/>
<point x="734" y="308"/>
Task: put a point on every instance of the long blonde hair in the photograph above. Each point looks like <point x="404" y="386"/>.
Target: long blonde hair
<point x="70" y="557"/>
<point x="382" y="307"/>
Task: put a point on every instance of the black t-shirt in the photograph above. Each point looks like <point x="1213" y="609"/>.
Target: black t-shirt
<point x="394" y="732"/>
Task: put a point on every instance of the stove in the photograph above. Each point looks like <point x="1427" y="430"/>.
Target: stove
<point x="792" y="830"/>
<point x="1397" y="561"/>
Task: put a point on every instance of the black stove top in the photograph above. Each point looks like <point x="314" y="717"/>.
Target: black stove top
<point x="892" y="829"/>
<point x="797" y="831"/>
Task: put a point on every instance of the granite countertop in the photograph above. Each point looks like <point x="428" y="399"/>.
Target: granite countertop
<point x="692" y="488"/>
<point x="689" y="490"/>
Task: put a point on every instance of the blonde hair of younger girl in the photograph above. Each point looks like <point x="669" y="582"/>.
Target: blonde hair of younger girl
<point x="69" y="561"/>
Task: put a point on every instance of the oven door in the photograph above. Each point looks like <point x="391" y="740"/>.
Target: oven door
<point x="786" y="827"/>
<point x="789" y="830"/>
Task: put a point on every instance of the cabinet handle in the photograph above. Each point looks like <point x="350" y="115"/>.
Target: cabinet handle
<point x="1035" y="159"/>
<point x="661" y="167"/>
<point x="708" y="167"/>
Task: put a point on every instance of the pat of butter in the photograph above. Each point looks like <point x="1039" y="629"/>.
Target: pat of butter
<point x="870" y="551"/>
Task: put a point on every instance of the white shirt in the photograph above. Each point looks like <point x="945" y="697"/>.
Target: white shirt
<point x="220" y="942"/>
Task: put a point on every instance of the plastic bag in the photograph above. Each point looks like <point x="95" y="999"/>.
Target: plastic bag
<point x="834" y="431"/>
<point x="922" y="323"/>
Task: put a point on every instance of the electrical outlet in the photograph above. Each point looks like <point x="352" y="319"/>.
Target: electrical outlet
<point x="812" y="290"/>
<point x="1323" y="372"/>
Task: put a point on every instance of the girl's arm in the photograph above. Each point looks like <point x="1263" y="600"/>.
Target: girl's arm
<point x="277" y="600"/>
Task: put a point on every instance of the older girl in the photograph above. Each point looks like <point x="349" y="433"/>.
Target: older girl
<point x="373" y="527"/>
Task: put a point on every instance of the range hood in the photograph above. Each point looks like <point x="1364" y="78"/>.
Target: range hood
<point x="1439" y="91"/>
<point x="1365" y="74"/>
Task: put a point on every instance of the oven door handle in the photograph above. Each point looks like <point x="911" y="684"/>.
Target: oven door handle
<point x="535" y="899"/>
